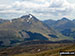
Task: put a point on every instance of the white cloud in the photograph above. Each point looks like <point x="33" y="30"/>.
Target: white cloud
<point x="62" y="7"/>
<point x="23" y="6"/>
<point x="4" y="6"/>
<point x="37" y="0"/>
<point x="57" y="8"/>
<point x="28" y="4"/>
<point x="39" y="7"/>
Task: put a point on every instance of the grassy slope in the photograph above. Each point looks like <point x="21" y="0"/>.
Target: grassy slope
<point x="54" y="52"/>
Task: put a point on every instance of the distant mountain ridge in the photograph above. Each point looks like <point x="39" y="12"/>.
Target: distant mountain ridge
<point x="64" y="26"/>
<point x="74" y="21"/>
<point x="3" y="20"/>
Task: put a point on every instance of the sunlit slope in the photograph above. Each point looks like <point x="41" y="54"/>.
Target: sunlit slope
<point x="54" y="52"/>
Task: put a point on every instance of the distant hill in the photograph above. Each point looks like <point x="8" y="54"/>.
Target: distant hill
<point x="3" y="20"/>
<point x="64" y="26"/>
<point x="74" y="21"/>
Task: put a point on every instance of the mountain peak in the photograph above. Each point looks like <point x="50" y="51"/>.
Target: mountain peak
<point x="30" y="14"/>
<point x="29" y="17"/>
<point x="64" y="18"/>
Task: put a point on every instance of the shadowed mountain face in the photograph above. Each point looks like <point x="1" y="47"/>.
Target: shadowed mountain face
<point x="74" y="21"/>
<point x="26" y="28"/>
<point x="36" y="36"/>
<point x="49" y="22"/>
<point x="2" y="21"/>
<point x="64" y="26"/>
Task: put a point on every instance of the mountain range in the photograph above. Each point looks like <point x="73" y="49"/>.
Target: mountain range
<point x="65" y="26"/>
<point x="28" y="27"/>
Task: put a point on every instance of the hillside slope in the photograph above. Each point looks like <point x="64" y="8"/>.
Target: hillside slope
<point x="64" y="26"/>
<point x="27" y="27"/>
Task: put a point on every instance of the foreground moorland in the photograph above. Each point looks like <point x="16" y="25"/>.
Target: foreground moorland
<point x="37" y="49"/>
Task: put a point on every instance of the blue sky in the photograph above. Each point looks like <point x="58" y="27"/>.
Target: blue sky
<point x="42" y="9"/>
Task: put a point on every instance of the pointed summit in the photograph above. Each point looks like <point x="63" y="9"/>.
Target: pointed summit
<point x="29" y="17"/>
<point x="25" y="16"/>
<point x="65" y="19"/>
